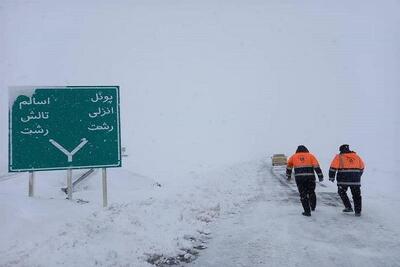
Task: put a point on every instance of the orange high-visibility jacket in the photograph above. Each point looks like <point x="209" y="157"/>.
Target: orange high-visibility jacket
<point x="348" y="168"/>
<point x="304" y="165"/>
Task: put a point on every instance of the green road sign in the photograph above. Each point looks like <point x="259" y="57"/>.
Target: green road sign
<point x="64" y="127"/>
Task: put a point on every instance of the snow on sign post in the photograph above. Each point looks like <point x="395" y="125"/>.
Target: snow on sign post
<point x="55" y="128"/>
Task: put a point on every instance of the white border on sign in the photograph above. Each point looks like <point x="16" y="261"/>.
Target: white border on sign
<point x="30" y="90"/>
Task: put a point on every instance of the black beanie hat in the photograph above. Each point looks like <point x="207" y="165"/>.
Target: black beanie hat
<point x="344" y="148"/>
<point x="301" y="148"/>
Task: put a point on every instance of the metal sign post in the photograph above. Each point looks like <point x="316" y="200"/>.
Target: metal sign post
<point x="104" y="178"/>
<point x="69" y="183"/>
<point x="31" y="183"/>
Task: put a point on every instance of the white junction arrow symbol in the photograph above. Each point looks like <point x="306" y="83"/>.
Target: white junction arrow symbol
<point x="66" y="152"/>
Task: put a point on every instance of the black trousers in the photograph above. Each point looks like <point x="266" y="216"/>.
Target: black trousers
<point x="356" y="193"/>
<point x="306" y="187"/>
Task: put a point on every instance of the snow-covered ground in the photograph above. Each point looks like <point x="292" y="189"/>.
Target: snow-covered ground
<point x="239" y="215"/>
<point x="144" y="218"/>
<point x="209" y="89"/>
<point x="270" y="231"/>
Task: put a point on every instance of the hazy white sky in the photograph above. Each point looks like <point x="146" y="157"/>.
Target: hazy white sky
<point x="212" y="82"/>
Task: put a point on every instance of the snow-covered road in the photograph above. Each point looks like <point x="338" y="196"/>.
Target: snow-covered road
<point x="238" y="215"/>
<point x="270" y="231"/>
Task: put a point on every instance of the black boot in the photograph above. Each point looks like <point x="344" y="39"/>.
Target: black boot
<point x="306" y="206"/>
<point x="345" y="199"/>
<point x="348" y="209"/>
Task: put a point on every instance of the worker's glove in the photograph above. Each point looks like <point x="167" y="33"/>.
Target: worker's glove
<point x="332" y="179"/>
<point x="320" y="178"/>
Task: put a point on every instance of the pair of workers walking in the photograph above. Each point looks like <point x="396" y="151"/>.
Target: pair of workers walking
<point x="347" y="166"/>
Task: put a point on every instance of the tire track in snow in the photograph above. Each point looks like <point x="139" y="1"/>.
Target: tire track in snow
<point x="270" y="231"/>
<point x="326" y="198"/>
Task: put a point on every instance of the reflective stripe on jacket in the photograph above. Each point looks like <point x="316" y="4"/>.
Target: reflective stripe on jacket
<point x="348" y="168"/>
<point x="304" y="165"/>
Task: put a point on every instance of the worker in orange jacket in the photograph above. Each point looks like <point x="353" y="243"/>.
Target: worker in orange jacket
<point x="348" y="168"/>
<point x="304" y="164"/>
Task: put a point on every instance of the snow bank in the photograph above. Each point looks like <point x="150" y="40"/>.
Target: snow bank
<point x="144" y="218"/>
